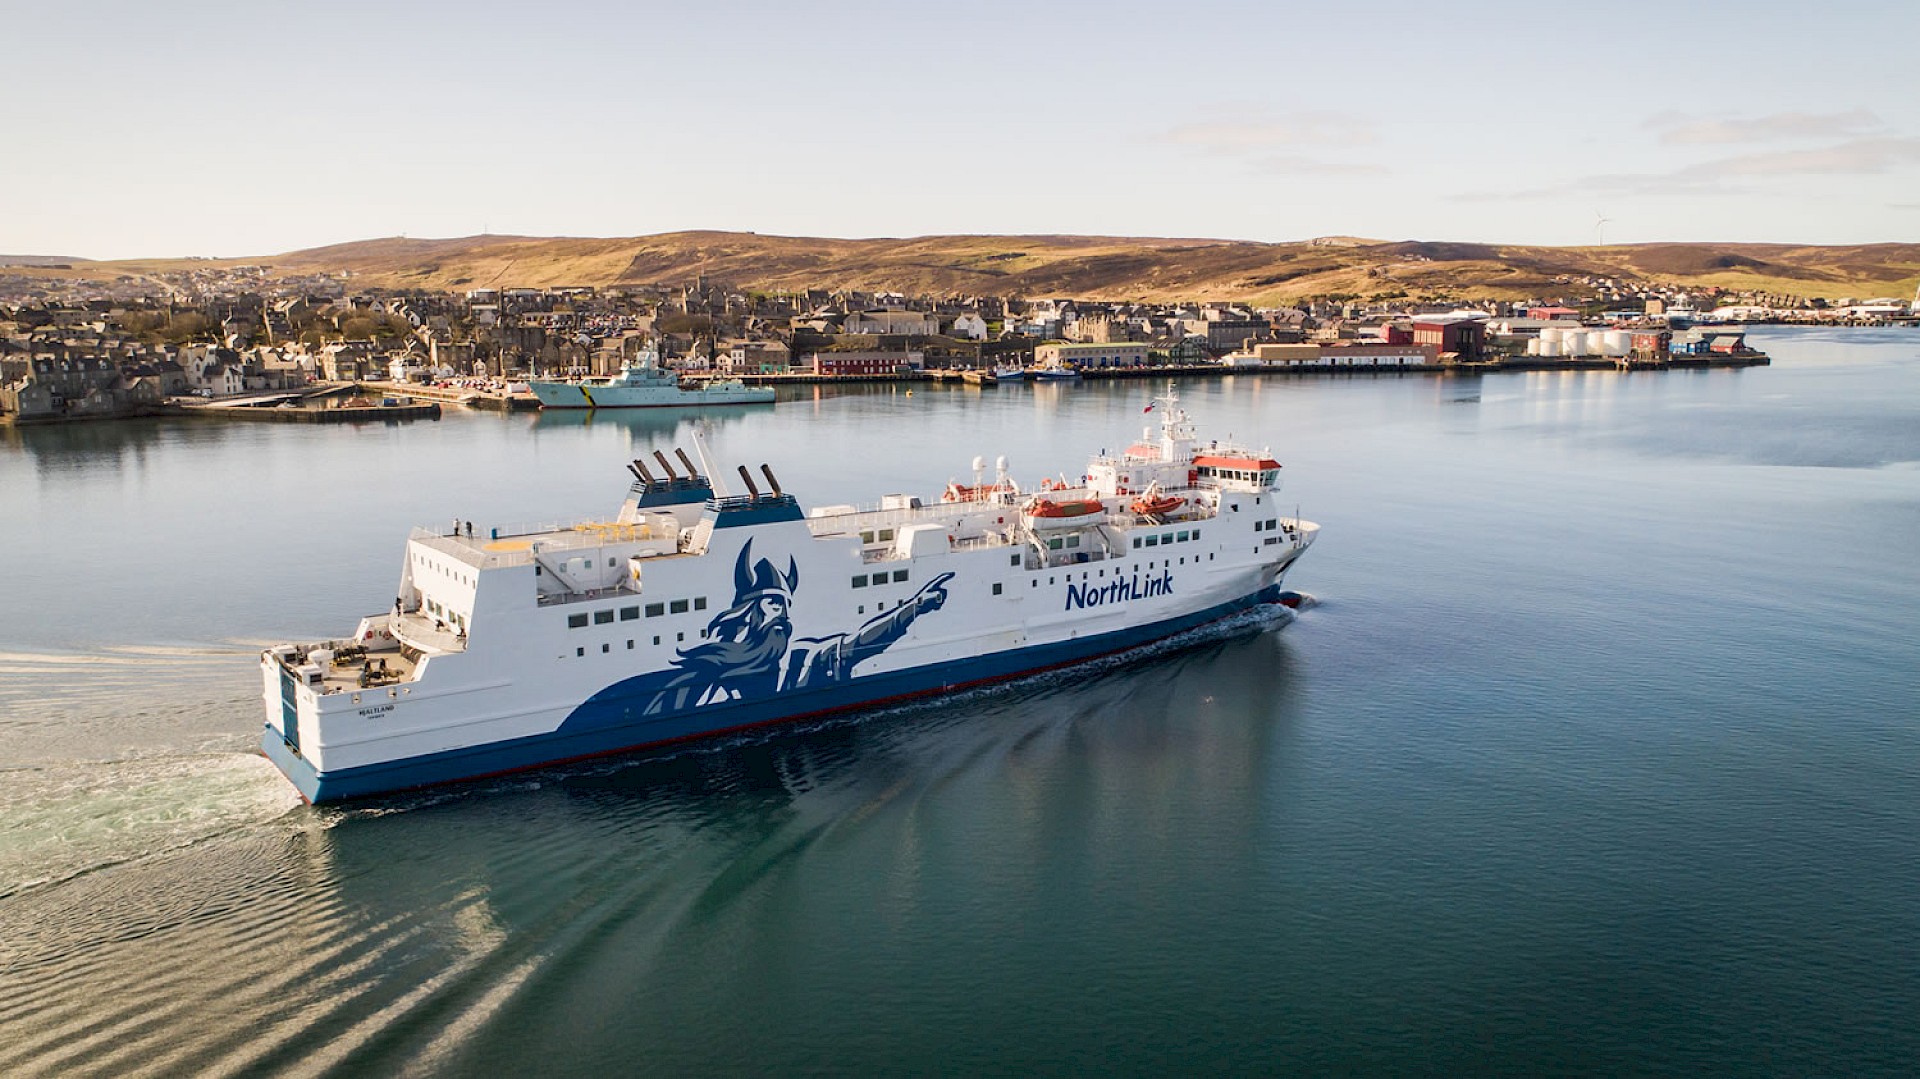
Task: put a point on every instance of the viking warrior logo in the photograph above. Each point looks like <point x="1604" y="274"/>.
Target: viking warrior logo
<point x="750" y="652"/>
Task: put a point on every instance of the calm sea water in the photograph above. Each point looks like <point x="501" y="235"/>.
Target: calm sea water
<point x="1601" y="753"/>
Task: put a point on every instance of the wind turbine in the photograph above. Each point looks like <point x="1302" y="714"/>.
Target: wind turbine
<point x="1600" y="228"/>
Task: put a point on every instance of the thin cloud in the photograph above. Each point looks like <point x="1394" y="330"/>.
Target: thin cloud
<point x="1270" y="144"/>
<point x="1682" y="129"/>
<point x="1736" y="174"/>
<point x="1292" y="165"/>
<point x="1231" y="136"/>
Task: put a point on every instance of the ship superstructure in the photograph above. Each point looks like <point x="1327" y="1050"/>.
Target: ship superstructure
<point x="712" y="602"/>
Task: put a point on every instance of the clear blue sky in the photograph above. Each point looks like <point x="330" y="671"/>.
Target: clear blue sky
<point x="140" y="129"/>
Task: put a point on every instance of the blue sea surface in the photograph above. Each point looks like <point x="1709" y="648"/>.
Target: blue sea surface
<point x="1599" y="754"/>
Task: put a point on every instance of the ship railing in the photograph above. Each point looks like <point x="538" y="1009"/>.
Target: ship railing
<point x="553" y="537"/>
<point x="537" y="528"/>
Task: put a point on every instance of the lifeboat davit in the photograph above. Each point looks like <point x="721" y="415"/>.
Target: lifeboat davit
<point x="1153" y="507"/>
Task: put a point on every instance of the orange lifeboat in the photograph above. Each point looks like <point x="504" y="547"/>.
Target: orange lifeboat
<point x="1153" y="507"/>
<point x="1072" y="507"/>
<point x="960" y="492"/>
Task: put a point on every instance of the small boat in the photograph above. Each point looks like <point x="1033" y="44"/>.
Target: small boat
<point x="985" y="492"/>
<point x="645" y="384"/>
<point x="1009" y="374"/>
<point x="1052" y="374"/>
<point x="979" y="378"/>
<point x="1154" y="507"/>
<point x="1071" y="507"/>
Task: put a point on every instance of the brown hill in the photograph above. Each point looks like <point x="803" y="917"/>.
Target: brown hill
<point x="1094" y="267"/>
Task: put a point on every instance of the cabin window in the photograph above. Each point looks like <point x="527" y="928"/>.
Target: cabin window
<point x="862" y="609"/>
<point x="1014" y="561"/>
<point x="601" y="618"/>
<point x="860" y="581"/>
<point x="628" y="614"/>
<point x="681" y="636"/>
<point x="1053" y="544"/>
<point x="1153" y="541"/>
<point x="609" y="563"/>
<point x="656" y="639"/>
<point x="886" y="534"/>
<point x="655" y="610"/>
<point x="699" y="603"/>
<point x="1182" y="537"/>
<point x="678" y="606"/>
<point x="1136" y="542"/>
<point x="996" y="588"/>
<point x="536" y="571"/>
<point x="1166" y="537"/>
<point x="867" y="536"/>
<point x="629" y="644"/>
<point x="899" y="575"/>
<point x="605" y="648"/>
<point x="578" y="652"/>
<point x="1073" y="541"/>
<point x="576" y="621"/>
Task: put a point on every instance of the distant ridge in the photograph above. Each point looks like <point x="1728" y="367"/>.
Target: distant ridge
<point x="1091" y="267"/>
<point x="40" y="260"/>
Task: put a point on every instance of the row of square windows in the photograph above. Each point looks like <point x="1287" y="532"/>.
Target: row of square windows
<point x="1167" y="537"/>
<point x="605" y="616"/>
<point x="878" y="579"/>
<point x="606" y="648"/>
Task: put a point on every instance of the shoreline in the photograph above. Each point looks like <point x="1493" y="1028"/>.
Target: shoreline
<point x="439" y="397"/>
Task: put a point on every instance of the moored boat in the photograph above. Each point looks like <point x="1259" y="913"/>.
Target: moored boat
<point x="645" y="384"/>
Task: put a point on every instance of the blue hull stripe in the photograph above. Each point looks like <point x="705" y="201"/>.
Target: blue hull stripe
<point x="601" y="727"/>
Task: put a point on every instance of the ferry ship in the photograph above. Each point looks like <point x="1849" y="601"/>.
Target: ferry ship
<point x="645" y="384"/>
<point x="713" y="603"/>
